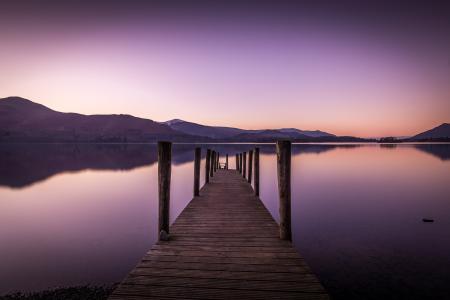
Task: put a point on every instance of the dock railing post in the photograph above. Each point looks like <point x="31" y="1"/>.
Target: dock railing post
<point x="250" y="166"/>
<point x="217" y="161"/>
<point x="226" y="162"/>
<point x="207" y="166"/>
<point x="240" y="163"/>
<point x="257" y="172"/>
<point x="213" y="157"/>
<point x="164" y="173"/>
<point x="244" y="164"/>
<point x="198" y="158"/>
<point x="284" y="188"/>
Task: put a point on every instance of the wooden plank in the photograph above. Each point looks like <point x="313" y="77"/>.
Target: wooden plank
<point x="223" y="245"/>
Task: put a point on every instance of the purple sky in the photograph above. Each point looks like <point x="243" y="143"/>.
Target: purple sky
<point x="351" y="69"/>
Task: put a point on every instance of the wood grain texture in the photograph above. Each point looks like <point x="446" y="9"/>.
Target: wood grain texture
<point x="223" y="245"/>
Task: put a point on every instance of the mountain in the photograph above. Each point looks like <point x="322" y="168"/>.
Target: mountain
<point x="22" y="120"/>
<point x="309" y="133"/>
<point x="215" y="132"/>
<point x="227" y="133"/>
<point x="442" y="132"/>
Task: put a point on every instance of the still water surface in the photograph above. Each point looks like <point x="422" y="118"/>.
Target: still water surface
<point x="86" y="214"/>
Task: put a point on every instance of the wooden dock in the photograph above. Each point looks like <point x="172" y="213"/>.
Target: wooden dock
<point x="224" y="245"/>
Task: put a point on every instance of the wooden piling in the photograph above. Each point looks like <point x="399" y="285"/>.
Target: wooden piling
<point x="244" y="164"/>
<point x="207" y="165"/>
<point x="237" y="161"/>
<point x="284" y="188"/>
<point x="217" y="161"/>
<point x="164" y="173"/>
<point x="198" y="157"/>
<point x="257" y="171"/>
<point x="240" y="163"/>
<point x="213" y="157"/>
<point x="250" y="166"/>
<point x="226" y="162"/>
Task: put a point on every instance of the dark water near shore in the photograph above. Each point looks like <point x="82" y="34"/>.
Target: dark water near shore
<point x="77" y="214"/>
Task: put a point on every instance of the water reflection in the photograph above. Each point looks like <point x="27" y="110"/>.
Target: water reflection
<point x="24" y="164"/>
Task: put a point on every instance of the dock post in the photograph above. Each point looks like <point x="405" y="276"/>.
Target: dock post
<point x="164" y="173"/>
<point x="207" y="165"/>
<point x="237" y="162"/>
<point x="244" y="164"/>
<point x="226" y="162"/>
<point x="257" y="172"/>
<point x="217" y="161"/>
<point x="284" y="188"/>
<point x="240" y="163"/>
<point x="211" y="171"/>
<point x="198" y="157"/>
<point x="250" y="166"/>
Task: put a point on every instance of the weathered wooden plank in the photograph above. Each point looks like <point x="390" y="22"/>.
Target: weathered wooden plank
<point x="224" y="245"/>
<point x="210" y="293"/>
<point x="312" y="286"/>
<point x="226" y="260"/>
<point x="267" y="276"/>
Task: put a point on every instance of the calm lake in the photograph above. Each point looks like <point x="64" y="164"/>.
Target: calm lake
<point x="86" y="214"/>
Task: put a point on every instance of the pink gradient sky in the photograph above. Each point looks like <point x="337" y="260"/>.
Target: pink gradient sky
<point x="314" y="75"/>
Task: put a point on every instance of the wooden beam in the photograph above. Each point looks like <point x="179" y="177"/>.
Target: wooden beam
<point x="244" y="164"/>
<point x="197" y="160"/>
<point x="164" y="174"/>
<point x="257" y="171"/>
<point x="250" y="166"/>
<point x="284" y="188"/>
<point x="207" y="165"/>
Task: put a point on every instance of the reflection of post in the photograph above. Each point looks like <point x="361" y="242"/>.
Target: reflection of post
<point x="244" y="164"/>
<point x="250" y="166"/>
<point x="164" y="172"/>
<point x="257" y="171"/>
<point x="211" y="171"/>
<point x="284" y="188"/>
<point x="207" y="166"/>
<point x="226" y="161"/>
<point x="237" y="162"/>
<point x="198" y="157"/>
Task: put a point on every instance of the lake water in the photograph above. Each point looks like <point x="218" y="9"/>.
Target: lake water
<point x="79" y="214"/>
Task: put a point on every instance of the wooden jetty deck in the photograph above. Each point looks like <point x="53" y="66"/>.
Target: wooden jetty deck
<point x="223" y="245"/>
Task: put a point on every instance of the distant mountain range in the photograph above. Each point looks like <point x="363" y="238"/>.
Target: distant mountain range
<point x="224" y="133"/>
<point x="22" y="120"/>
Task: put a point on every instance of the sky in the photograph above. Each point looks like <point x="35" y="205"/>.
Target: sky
<point x="357" y="68"/>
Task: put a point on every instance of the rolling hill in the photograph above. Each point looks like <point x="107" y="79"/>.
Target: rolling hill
<point x="22" y="120"/>
<point x="238" y="134"/>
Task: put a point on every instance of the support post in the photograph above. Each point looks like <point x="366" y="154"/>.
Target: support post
<point x="164" y="173"/>
<point x="244" y="165"/>
<point x="217" y="161"/>
<point x="284" y="188"/>
<point x="237" y="162"/>
<point x="207" y="165"/>
<point x="213" y="157"/>
<point x="240" y="163"/>
<point x="250" y="166"/>
<point x="257" y="172"/>
<point x="226" y="162"/>
<point x="198" y="157"/>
